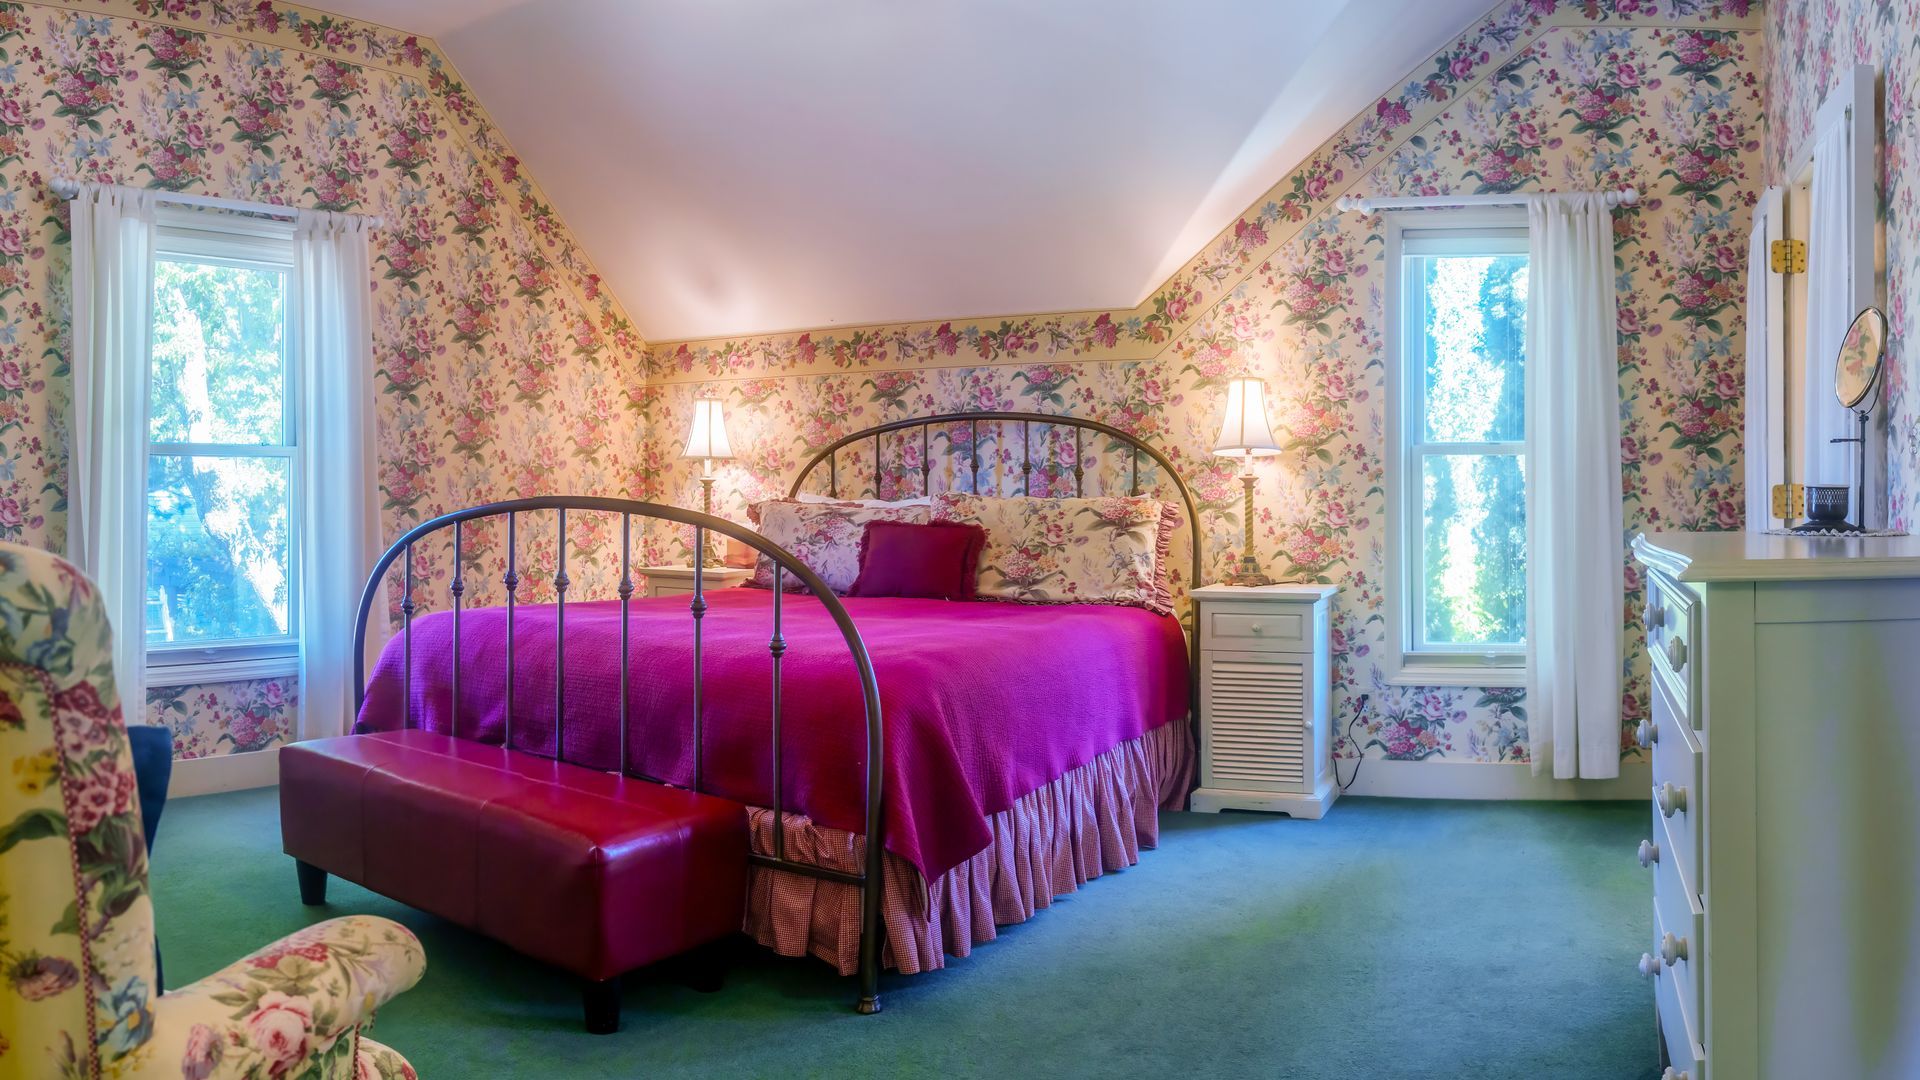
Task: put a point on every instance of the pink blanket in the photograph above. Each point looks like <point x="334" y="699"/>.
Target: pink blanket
<point x="983" y="702"/>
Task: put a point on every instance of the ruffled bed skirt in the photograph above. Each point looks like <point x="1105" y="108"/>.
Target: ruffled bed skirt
<point x="1089" y="821"/>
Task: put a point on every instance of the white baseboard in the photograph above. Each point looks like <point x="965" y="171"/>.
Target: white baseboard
<point x="1484" y="780"/>
<point x="224" y="772"/>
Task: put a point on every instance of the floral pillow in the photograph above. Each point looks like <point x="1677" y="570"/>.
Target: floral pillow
<point x="1108" y="550"/>
<point x="824" y="536"/>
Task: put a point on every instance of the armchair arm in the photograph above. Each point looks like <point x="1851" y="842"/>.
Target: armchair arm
<point x="286" y="1004"/>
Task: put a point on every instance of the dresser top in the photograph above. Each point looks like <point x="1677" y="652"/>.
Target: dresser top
<point x="1749" y="556"/>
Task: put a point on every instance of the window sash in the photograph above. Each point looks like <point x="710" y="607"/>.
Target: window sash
<point x="249" y="245"/>
<point x="1416" y="448"/>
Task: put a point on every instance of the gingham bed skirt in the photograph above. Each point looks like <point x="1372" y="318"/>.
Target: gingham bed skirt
<point x="1094" y="819"/>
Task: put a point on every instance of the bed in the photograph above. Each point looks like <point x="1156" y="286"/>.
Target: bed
<point x="945" y="729"/>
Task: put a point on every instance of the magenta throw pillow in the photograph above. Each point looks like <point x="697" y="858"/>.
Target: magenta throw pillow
<point x="935" y="562"/>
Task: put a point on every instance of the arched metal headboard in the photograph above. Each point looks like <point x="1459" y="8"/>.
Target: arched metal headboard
<point x="829" y="455"/>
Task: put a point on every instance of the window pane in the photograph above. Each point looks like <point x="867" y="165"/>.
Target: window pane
<point x="1474" y="550"/>
<point x="217" y="353"/>
<point x="1476" y="339"/>
<point x="218" y="549"/>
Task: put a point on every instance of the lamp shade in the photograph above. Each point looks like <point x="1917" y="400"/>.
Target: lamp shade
<point x="708" y="436"/>
<point x="1245" y="432"/>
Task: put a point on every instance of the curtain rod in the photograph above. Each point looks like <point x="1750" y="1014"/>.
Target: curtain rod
<point x="68" y="189"/>
<point x="1370" y="204"/>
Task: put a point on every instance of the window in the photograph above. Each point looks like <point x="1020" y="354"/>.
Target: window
<point x="222" y="554"/>
<point x="1458" y="464"/>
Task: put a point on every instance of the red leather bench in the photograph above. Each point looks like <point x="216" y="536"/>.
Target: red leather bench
<point x="595" y="873"/>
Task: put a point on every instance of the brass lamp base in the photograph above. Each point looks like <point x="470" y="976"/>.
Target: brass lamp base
<point x="708" y="556"/>
<point x="1249" y="575"/>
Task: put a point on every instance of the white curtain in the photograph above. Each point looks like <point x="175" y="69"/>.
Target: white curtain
<point x="1575" y="588"/>
<point x="1830" y="257"/>
<point x="341" y="537"/>
<point x="112" y="247"/>
<point x="1757" y="437"/>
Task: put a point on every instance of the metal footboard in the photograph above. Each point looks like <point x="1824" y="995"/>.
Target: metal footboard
<point x="868" y="881"/>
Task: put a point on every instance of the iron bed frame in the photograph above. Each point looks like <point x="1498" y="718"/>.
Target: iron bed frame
<point x="869" y="881"/>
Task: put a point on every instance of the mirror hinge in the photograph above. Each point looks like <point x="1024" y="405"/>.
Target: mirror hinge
<point x="1789" y="502"/>
<point x="1789" y="256"/>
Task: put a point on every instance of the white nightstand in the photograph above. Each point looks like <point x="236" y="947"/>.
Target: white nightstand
<point x="1265" y="738"/>
<point x="678" y="580"/>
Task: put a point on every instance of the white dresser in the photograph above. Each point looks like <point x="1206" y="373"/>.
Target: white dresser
<point x="1264" y="686"/>
<point x="1785" y="849"/>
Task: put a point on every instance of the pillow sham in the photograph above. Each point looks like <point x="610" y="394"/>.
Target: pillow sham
<point x="753" y="509"/>
<point x="1106" y="550"/>
<point x="871" y="504"/>
<point x="824" y="536"/>
<point x="934" y="561"/>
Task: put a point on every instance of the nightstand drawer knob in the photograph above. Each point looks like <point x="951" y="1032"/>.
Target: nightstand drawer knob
<point x="1649" y="965"/>
<point x="1258" y="628"/>
<point x="1649" y="853"/>
<point x="1673" y="949"/>
<point x="1656" y="615"/>
<point x="1672" y="800"/>
<point x="1647" y="733"/>
<point x="1677" y="653"/>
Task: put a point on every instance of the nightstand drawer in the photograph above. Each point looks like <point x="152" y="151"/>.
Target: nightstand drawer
<point x="1258" y="628"/>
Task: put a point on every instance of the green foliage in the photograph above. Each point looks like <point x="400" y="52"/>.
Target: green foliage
<point x="218" y="527"/>
<point x="1473" y="538"/>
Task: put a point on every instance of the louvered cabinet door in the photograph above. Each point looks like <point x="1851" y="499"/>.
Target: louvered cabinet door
<point x="1254" y="718"/>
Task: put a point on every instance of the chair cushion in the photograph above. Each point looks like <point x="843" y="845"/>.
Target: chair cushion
<point x="589" y="871"/>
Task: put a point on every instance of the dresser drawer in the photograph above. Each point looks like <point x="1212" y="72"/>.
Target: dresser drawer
<point x="1679" y="1027"/>
<point x="1677" y="771"/>
<point x="1681" y="917"/>
<point x="1258" y="627"/>
<point x="1673" y="641"/>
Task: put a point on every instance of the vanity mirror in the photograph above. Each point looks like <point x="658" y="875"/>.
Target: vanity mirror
<point x="1856" y="382"/>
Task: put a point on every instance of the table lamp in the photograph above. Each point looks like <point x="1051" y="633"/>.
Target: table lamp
<point x="1245" y="433"/>
<point x="707" y="441"/>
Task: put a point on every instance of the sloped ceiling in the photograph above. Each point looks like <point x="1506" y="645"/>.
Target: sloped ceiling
<point x="758" y="165"/>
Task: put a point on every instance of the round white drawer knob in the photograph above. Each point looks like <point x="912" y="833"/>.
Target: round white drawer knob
<point x="1649" y="965"/>
<point x="1656" y="615"/>
<point x="1647" y="733"/>
<point x="1675" y="1074"/>
<point x="1673" y="949"/>
<point x="1677" y="653"/>
<point x="1649" y="853"/>
<point x="1672" y="800"/>
<point x="1259" y="628"/>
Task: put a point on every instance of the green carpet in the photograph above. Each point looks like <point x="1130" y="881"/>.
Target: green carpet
<point x="1394" y="939"/>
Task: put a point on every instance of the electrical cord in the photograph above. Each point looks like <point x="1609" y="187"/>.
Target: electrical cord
<point x="1359" y="710"/>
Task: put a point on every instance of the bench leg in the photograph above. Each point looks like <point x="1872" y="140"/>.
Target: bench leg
<point x="313" y="883"/>
<point x="601" y="999"/>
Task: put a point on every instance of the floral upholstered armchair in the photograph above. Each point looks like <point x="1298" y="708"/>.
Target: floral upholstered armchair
<point x="76" y="924"/>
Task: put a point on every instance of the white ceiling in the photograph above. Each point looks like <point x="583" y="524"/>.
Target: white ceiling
<point x="756" y="165"/>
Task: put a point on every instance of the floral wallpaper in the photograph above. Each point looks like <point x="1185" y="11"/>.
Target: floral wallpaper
<point x="1662" y="95"/>
<point x="505" y="369"/>
<point x="1810" y="47"/>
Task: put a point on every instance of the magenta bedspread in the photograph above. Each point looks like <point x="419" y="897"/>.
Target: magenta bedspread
<point x="983" y="702"/>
